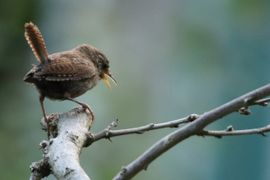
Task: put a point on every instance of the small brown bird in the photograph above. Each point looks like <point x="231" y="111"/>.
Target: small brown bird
<point x="64" y="75"/>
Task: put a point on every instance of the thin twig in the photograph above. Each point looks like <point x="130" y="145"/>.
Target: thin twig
<point x="108" y="133"/>
<point x="233" y="132"/>
<point x="245" y="110"/>
<point x="262" y="102"/>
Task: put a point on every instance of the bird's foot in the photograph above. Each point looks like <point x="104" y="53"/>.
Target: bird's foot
<point x="49" y="124"/>
<point x="86" y="107"/>
<point x="47" y="121"/>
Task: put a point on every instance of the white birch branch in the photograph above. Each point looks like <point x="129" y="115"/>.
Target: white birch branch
<point x="61" y="153"/>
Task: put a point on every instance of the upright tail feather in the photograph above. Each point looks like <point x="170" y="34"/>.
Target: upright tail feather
<point x="36" y="42"/>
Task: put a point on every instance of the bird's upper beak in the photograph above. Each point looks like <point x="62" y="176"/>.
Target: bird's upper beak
<point x="106" y="77"/>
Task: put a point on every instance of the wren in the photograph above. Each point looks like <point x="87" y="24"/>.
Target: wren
<point x="64" y="75"/>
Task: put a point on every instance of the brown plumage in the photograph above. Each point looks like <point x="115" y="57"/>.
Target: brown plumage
<point x="36" y="42"/>
<point x="64" y="75"/>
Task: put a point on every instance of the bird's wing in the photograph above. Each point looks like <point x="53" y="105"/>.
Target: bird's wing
<point x="65" y="68"/>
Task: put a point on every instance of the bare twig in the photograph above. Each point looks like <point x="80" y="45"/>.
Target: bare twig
<point x="107" y="133"/>
<point x="262" y="102"/>
<point x="233" y="132"/>
<point x="190" y="129"/>
<point x="245" y="110"/>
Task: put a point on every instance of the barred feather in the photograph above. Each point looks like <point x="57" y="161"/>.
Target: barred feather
<point x="36" y="42"/>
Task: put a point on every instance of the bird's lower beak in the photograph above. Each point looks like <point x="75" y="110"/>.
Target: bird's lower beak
<point x="106" y="78"/>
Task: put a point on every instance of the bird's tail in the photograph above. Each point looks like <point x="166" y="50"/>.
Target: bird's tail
<point x="36" y="42"/>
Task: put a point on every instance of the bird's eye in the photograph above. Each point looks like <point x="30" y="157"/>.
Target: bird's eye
<point x="105" y="66"/>
<point x="103" y="63"/>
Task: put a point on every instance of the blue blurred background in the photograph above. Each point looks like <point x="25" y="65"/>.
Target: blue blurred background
<point x="171" y="58"/>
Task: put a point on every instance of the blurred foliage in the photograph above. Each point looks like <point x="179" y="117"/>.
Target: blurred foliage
<point x="15" y="151"/>
<point x="171" y="58"/>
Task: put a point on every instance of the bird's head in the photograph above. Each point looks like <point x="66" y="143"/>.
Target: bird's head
<point x="100" y="61"/>
<point x="103" y="68"/>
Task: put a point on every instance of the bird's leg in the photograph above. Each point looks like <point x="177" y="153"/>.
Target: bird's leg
<point x="85" y="106"/>
<point x="41" y="100"/>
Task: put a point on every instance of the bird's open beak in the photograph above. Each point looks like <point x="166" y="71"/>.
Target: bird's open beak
<point x="106" y="78"/>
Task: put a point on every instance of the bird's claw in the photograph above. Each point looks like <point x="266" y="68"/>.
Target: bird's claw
<point x="86" y="107"/>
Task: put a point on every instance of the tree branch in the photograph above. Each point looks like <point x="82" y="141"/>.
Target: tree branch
<point x="107" y="133"/>
<point x="61" y="152"/>
<point x="190" y="129"/>
<point x="233" y="132"/>
<point x="262" y="102"/>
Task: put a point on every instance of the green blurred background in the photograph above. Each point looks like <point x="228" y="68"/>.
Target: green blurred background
<point x="171" y="58"/>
